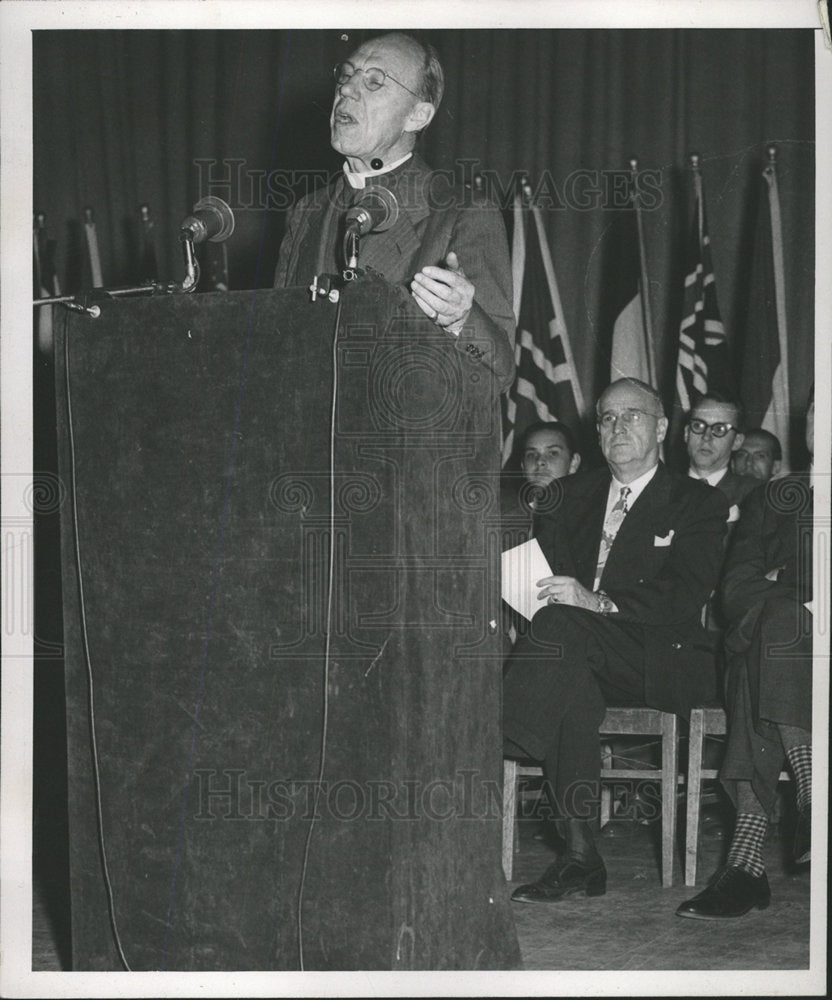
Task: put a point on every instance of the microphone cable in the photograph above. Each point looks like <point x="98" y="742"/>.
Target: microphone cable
<point x="328" y="627"/>
<point x="88" y="661"/>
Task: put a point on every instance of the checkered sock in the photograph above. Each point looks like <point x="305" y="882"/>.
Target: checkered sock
<point x="746" y="849"/>
<point x="800" y="761"/>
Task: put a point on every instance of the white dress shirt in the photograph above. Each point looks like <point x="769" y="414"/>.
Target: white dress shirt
<point x="713" y="478"/>
<point x="636" y="489"/>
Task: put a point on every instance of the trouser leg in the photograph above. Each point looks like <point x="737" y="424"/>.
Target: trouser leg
<point x="559" y="681"/>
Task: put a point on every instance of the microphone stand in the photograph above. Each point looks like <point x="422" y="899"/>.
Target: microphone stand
<point x="351" y="245"/>
<point x="376" y="213"/>
<point x="329" y="286"/>
<point x="84" y="301"/>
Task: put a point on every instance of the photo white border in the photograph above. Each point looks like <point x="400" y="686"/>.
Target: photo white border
<point x="17" y="20"/>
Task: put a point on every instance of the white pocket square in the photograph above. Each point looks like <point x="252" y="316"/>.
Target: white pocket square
<point x="733" y="513"/>
<point x="659" y="540"/>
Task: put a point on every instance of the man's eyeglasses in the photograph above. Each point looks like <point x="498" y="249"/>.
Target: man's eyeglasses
<point x="373" y="78"/>
<point x="630" y="418"/>
<point x="718" y="430"/>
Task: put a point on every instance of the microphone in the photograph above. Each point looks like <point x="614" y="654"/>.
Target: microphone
<point x="212" y="220"/>
<point x="374" y="212"/>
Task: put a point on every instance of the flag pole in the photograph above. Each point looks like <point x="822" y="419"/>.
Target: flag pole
<point x="554" y="293"/>
<point x="148" y="269"/>
<point x="518" y="265"/>
<point x="685" y="402"/>
<point x="697" y="194"/>
<point x="518" y="244"/>
<point x="780" y="417"/>
<point x="93" y="256"/>
<point x="644" y="292"/>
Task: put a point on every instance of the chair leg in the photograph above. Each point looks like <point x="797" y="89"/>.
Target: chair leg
<point x="696" y="748"/>
<point x="670" y="777"/>
<point x="606" y="790"/>
<point x="509" y="815"/>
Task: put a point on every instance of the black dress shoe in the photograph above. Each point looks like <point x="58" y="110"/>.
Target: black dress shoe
<point x="564" y="878"/>
<point x="802" y="848"/>
<point x="732" y="892"/>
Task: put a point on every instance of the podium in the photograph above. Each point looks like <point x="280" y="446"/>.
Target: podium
<point x="283" y="660"/>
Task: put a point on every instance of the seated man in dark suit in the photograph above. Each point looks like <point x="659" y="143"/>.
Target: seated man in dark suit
<point x="760" y="455"/>
<point x="635" y="551"/>
<point x="547" y="452"/>
<point x="712" y="435"/>
<point x="445" y="245"/>
<point x="766" y="590"/>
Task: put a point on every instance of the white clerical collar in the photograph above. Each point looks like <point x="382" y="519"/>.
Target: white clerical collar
<point x="359" y="180"/>
<point x="636" y="487"/>
<point x="713" y="478"/>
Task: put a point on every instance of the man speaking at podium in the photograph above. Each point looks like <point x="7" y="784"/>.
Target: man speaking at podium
<point x="445" y="246"/>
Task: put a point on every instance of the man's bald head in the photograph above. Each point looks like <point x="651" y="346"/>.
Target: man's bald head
<point x="387" y="92"/>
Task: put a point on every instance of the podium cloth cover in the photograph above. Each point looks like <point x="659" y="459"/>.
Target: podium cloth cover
<point x="196" y="433"/>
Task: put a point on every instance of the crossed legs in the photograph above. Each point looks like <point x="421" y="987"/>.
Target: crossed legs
<point x="559" y="681"/>
<point x="769" y="718"/>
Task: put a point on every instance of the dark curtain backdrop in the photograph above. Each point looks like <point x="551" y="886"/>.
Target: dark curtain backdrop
<point x="122" y="118"/>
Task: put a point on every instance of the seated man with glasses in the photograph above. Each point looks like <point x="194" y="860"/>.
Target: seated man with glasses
<point x="447" y="246"/>
<point x="712" y="435"/>
<point x="635" y="552"/>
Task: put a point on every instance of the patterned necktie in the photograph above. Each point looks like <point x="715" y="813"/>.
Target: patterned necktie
<point x="612" y="523"/>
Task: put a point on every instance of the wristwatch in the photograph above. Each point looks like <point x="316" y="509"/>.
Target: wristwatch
<point x="605" y="604"/>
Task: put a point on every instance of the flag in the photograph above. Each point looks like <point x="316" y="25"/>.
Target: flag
<point x="45" y="282"/>
<point x="545" y="387"/>
<point x="764" y="388"/>
<point x="703" y="362"/>
<point x="632" y="353"/>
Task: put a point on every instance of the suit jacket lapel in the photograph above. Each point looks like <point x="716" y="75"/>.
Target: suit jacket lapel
<point x="389" y="252"/>
<point x="586" y="528"/>
<point x="643" y="520"/>
<point x="317" y="253"/>
<point x="392" y="251"/>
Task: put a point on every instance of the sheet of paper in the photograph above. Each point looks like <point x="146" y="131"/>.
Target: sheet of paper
<point x="523" y="566"/>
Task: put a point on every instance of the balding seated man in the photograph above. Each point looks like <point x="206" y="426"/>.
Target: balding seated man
<point x="760" y="455"/>
<point x="635" y="551"/>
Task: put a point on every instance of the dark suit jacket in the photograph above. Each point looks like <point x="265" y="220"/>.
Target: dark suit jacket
<point x="769" y="637"/>
<point x="661" y="569"/>
<point x="736" y="488"/>
<point x="434" y="218"/>
<point x="773" y="533"/>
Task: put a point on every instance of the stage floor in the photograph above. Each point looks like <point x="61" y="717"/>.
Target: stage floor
<point x="632" y="927"/>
